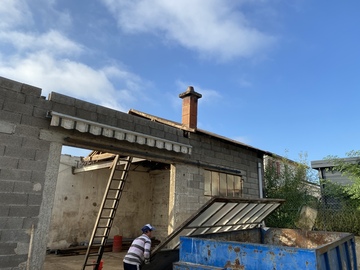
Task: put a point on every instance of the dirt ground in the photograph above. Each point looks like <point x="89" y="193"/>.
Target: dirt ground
<point x="111" y="261"/>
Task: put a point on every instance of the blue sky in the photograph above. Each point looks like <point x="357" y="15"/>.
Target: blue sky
<point x="279" y="75"/>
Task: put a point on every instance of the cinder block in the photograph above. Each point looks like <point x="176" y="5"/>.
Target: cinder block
<point x="12" y="260"/>
<point x="62" y="99"/>
<point x="64" y="108"/>
<point x="29" y="222"/>
<point x="10" y="84"/>
<point x="12" y="117"/>
<point x="37" y="177"/>
<point x="31" y="90"/>
<point x="10" y="140"/>
<point x="13" y="199"/>
<point x="34" y="199"/>
<point x="6" y="186"/>
<point x="87" y="106"/>
<point x="8" y="162"/>
<point x="23" y="153"/>
<point x="26" y="164"/>
<point x="106" y="111"/>
<point x="7" y="248"/>
<point x="41" y="155"/>
<point x="6" y="127"/>
<point x="107" y="120"/>
<point x="11" y="223"/>
<point x="19" y="107"/>
<point x="4" y="211"/>
<point x="31" y="142"/>
<point x="27" y="187"/>
<point x="88" y="115"/>
<point x="18" y="175"/>
<point x="24" y="211"/>
<point x="29" y="120"/>
<point x="27" y="131"/>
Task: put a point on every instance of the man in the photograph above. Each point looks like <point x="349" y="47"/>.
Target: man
<point x="139" y="251"/>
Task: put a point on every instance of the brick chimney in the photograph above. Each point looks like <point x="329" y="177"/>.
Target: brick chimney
<point x="189" y="107"/>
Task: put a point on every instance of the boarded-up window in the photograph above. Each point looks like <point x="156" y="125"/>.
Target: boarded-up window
<point x="222" y="184"/>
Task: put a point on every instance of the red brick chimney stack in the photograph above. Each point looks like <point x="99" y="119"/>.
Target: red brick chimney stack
<point x="189" y="107"/>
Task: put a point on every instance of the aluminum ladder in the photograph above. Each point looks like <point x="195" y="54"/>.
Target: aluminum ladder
<point x="119" y="172"/>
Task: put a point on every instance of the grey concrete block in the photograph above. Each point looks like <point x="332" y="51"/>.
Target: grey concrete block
<point x="6" y="186"/>
<point x="10" y="140"/>
<point x="4" y="211"/>
<point x="10" y="84"/>
<point x="107" y="120"/>
<point x="8" y="162"/>
<point x="2" y="150"/>
<point x="6" y="127"/>
<point x="12" y="260"/>
<point x="26" y="164"/>
<point x="19" y="107"/>
<point x="31" y="90"/>
<point x="37" y="177"/>
<point x="34" y="199"/>
<point x="24" y="211"/>
<point x="27" y="187"/>
<point x="7" y="248"/>
<point x="11" y="223"/>
<point x="88" y="115"/>
<point x="106" y="111"/>
<point x="29" y="222"/>
<point x="27" y="131"/>
<point x="29" y="120"/>
<point x="65" y="109"/>
<point x="40" y="112"/>
<point x="121" y="123"/>
<point x="12" y="117"/>
<point x="84" y="105"/>
<point x="31" y="142"/>
<point x="62" y="99"/>
<point x="18" y="175"/>
<point x="41" y="155"/>
<point x="23" y="153"/>
<point x="13" y="199"/>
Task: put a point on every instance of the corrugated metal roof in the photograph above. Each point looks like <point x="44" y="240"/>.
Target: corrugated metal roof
<point x="223" y="215"/>
<point x="94" y="128"/>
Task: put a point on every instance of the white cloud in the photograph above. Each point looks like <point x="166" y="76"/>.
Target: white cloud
<point x="14" y="13"/>
<point x="72" y="78"/>
<point x="53" y="41"/>
<point x="212" y="28"/>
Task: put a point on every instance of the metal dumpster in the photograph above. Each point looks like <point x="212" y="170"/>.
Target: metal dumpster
<point x="227" y="234"/>
<point x="268" y="248"/>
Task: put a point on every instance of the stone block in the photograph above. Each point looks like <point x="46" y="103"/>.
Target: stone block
<point x="8" y="162"/>
<point x="18" y="175"/>
<point x="13" y="199"/>
<point x="23" y="153"/>
<point x="34" y="199"/>
<point x="10" y="84"/>
<point x="31" y="142"/>
<point x="6" y="186"/>
<point x="25" y="164"/>
<point x="7" y="248"/>
<point x="87" y="106"/>
<point x="12" y="117"/>
<point x="31" y="90"/>
<point x="19" y="107"/>
<point x="6" y="127"/>
<point x="27" y="131"/>
<point x="12" y="261"/>
<point x="64" y="108"/>
<point x="10" y="140"/>
<point x="4" y="211"/>
<point x="61" y="99"/>
<point x="11" y="223"/>
<point x="29" y="120"/>
<point x="24" y="211"/>
<point x="88" y="115"/>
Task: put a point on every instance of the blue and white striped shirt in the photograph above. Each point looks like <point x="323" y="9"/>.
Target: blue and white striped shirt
<point x="139" y="250"/>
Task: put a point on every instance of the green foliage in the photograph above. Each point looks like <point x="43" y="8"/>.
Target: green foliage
<point x="287" y="180"/>
<point x="338" y="211"/>
<point x="350" y="169"/>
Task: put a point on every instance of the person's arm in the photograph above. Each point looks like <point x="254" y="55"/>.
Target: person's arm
<point x="147" y="252"/>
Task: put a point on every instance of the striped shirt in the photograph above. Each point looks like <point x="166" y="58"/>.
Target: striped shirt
<point x="139" y="250"/>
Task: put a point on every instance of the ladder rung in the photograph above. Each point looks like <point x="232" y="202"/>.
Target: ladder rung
<point x="100" y="236"/>
<point x="102" y="227"/>
<point x="108" y="208"/>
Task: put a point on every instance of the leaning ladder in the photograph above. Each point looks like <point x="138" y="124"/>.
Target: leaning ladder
<point x="107" y="212"/>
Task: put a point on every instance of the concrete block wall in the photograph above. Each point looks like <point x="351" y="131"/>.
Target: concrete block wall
<point x="30" y="156"/>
